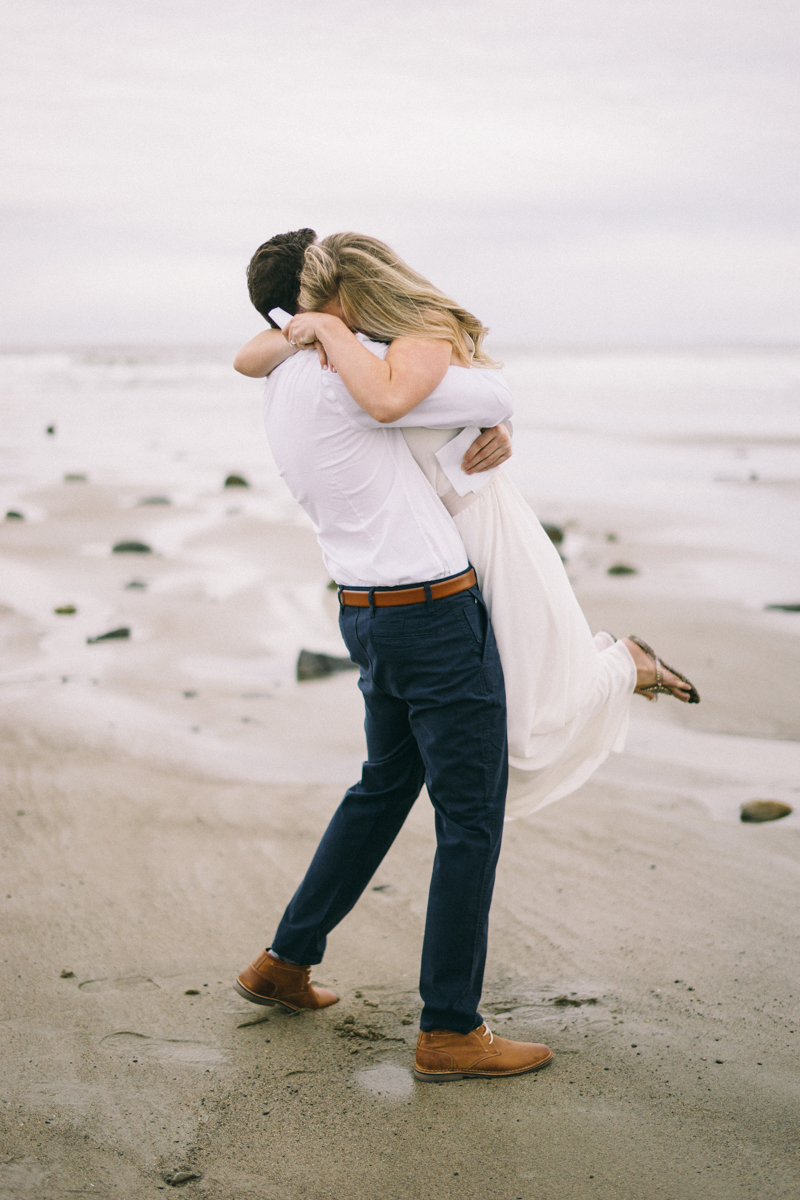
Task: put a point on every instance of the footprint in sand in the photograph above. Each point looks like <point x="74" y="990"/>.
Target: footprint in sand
<point x="167" y="1050"/>
<point x="22" y="1175"/>
<point x="127" y="983"/>
<point x="387" y="1080"/>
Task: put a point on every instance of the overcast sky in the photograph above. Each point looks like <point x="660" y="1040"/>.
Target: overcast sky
<point x="575" y="171"/>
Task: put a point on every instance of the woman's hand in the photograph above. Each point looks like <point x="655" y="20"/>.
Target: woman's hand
<point x="489" y="450"/>
<point x="308" y="329"/>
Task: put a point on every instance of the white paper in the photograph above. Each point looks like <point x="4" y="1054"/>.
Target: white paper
<point x="450" y="456"/>
<point x="280" y="317"/>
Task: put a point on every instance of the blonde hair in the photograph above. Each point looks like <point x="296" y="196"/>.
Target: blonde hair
<point x="383" y="298"/>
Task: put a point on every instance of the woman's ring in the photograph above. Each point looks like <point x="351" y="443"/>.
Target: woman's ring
<point x="292" y="343"/>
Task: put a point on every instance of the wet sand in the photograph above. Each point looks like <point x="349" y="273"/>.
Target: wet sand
<point x="151" y="839"/>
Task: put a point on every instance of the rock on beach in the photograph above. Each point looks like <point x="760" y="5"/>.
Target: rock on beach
<point x="112" y="635"/>
<point x="555" y="533"/>
<point x="764" y="810"/>
<point x="132" y="548"/>
<point x="314" y="666"/>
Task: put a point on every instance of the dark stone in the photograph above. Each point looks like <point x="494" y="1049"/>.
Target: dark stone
<point x="191" y="992"/>
<point x="622" y="569"/>
<point x="182" y="1177"/>
<point x="611" y="537"/>
<point x="135" y="585"/>
<point x="236" y="481"/>
<point x="67" y="974"/>
<point x="764" y="810"/>
<point x="564" y="1001"/>
<point x="112" y="635"/>
<point x="315" y="666"/>
<point x="555" y="533"/>
<point x="332" y="586"/>
<point x="132" y="548"/>
<point x="73" y="477"/>
<point x="65" y="610"/>
<point x="50" y="429"/>
<point x="13" y="515"/>
<point x="155" y="500"/>
<point x="768" y="607"/>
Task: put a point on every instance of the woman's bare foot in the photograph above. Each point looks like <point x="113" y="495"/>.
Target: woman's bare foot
<point x="646" y="675"/>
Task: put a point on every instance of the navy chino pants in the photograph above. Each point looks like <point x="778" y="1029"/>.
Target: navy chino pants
<point x="435" y="714"/>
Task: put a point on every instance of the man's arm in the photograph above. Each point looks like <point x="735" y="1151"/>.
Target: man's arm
<point x="479" y="396"/>
<point x="263" y="354"/>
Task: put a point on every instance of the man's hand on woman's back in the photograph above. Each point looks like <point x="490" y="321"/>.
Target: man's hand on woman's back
<point x="489" y="450"/>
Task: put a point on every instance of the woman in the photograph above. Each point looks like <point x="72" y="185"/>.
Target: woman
<point x="568" y="694"/>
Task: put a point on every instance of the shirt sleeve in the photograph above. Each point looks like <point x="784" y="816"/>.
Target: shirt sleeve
<point x="466" y="396"/>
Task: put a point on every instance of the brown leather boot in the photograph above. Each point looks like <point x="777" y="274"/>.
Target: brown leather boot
<point x="443" y="1056"/>
<point x="269" y="981"/>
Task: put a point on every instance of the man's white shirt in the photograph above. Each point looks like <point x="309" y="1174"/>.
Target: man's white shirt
<point x="378" y="520"/>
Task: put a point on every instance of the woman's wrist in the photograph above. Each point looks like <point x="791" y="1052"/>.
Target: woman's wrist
<point x="330" y="330"/>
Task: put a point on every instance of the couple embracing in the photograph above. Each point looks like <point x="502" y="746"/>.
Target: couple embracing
<point x="479" y="673"/>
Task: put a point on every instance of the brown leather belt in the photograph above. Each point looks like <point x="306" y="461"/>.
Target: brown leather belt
<point x="391" y="598"/>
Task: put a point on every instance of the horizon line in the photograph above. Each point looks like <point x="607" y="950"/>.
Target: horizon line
<point x="588" y="347"/>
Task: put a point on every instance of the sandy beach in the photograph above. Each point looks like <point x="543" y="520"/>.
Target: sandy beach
<point x="163" y="793"/>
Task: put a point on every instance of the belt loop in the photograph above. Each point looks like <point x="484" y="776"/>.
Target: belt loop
<point x="428" y="597"/>
<point x="371" y="598"/>
<point x="339" y="596"/>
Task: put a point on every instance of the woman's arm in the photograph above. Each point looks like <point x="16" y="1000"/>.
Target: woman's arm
<point x="386" y="389"/>
<point x="263" y="354"/>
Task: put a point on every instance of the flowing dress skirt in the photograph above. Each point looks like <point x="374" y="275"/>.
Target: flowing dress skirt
<point x="568" y="694"/>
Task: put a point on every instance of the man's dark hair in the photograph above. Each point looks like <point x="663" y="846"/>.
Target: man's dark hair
<point x="273" y="275"/>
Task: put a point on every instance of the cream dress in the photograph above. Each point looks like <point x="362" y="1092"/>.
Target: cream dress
<point x="568" y="694"/>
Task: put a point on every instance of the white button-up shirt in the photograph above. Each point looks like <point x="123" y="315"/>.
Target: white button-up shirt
<point x="377" y="518"/>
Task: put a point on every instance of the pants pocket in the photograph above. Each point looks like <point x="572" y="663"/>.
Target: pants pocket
<point x="477" y="619"/>
<point x="348" y="627"/>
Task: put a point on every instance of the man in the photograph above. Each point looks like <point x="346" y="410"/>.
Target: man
<point x="413" y="618"/>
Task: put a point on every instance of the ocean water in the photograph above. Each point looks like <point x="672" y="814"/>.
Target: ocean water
<point x="696" y="450"/>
